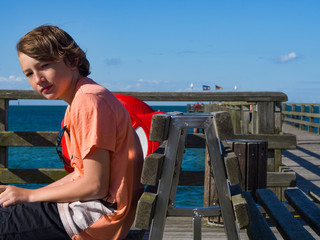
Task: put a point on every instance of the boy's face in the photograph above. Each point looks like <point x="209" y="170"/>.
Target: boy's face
<point x="51" y="79"/>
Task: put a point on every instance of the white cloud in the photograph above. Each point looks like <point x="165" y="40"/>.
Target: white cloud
<point x="14" y="83"/>
<point x="138" y="85"/>
<point x="288" y="57"/>
<point x="141" y="80"/>
<point x="11" y="79"/>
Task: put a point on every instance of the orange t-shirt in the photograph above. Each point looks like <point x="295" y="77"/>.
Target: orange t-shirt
<point x="97" y="119"/>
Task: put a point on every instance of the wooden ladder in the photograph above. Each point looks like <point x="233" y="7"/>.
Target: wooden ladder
<point x="173" y="128"/>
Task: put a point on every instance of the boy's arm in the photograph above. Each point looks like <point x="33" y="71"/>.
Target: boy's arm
<point x="61" y="181"/>
<point x="92" y="185"/>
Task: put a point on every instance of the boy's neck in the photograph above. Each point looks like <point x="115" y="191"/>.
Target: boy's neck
<point x="72" y="90"/>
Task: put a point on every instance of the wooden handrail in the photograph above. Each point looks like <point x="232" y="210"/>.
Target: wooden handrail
<point x="171" y="96"/>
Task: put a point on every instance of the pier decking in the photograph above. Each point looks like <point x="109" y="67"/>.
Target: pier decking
<point x="305" y="161"/>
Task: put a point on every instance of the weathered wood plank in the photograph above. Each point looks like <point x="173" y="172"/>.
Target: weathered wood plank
<point x="274" y="179"/>
<point x="286" y="119"/>
<point x="252" y="167"/>
<point x="151" y="169"/>
<point x="233" y="169"/>
<point x="258" y="226"/>
<point x="306" y="114"/>
<point x="45" y="176"/>
<point x="235" y="118"/>
<point x="275" y="141"/>
<point x="171" y="96"/>
<point x="277" y="118"/>
<point x="28" y="139"/>
<point x="240" y="150"/>
<point x="287" y="225"/>
<point x="240" y="210"/>
<point x="194" y="140"/>
<point x="223" y="125"/>
<point x="144" y="212"/>
<point x="208" y="96"/>
<point x="159" y="127"/>
<point x="307" y="209"/>
<point x="265" y="118"/>
<point x="19" y="94"/>
<point x="34" y="176"/>
<point x="252" y="156"/>
<point x="315" y="196"/>
<point x="262" y="164"/>
<point x="281" y="179"/>
<point x="4" y="107"/>
<point x="245" y="119"/>
<point x="152" y="166"/>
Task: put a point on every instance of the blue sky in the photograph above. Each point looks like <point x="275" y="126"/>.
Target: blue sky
<point x="167" y="45"/>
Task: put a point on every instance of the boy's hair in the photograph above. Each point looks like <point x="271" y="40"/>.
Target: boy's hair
<point x="50" y="43"/>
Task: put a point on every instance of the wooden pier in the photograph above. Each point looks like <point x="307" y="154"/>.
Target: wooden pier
<point x="254" y="114"/>
<point x="304" y="160"/>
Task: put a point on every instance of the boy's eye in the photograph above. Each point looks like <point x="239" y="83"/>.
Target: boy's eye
<point x="29" y="74"/>
<point x="44" y="65"/>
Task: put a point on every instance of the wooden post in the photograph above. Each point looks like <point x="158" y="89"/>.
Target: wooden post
<point x="303" y="117"/>
<point x="318" y="127"/>
<point x="265" y="117"/>
<point x="236" y="119"/>
<point x="277" y="130"/>
<point x="254" y="112"/>
<point x="311" y="119"/>
<point x="245" y="119"/>
<point x="210" y="196"/>
<point x="277" y="118"/>
<point x="293" y="109"/>
<point x="4" y="107"/>
<point x="189" y="108"/>
<point x="264" y="123"/>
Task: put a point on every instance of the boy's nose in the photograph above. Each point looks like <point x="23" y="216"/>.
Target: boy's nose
<point x="39" y="79"/>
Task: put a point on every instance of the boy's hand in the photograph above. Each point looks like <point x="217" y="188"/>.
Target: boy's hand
<point x="11" y="195"/>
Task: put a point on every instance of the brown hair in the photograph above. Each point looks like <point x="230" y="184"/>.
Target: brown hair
<point x="50" y="43"/>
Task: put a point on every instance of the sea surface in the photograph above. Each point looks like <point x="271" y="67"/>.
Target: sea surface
<point x="48" y="118"/>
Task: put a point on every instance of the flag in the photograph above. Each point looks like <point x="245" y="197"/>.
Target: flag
<point x="218" y="87"/>
<point x="206" y="88"/>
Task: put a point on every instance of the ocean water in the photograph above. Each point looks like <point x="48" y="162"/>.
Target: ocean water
<point x="48" y="118"/>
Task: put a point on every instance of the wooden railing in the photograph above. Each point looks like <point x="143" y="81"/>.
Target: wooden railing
<point x="257" y="120"/>
<point x="263" y="122"/>
<point x="305" y="116"/>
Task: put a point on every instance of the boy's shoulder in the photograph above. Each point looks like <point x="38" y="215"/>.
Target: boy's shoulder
<point x="90" y="92"/>
<point x="88" y="86"/>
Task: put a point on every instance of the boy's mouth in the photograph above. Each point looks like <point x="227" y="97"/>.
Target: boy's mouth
<point x="46" y="89"/>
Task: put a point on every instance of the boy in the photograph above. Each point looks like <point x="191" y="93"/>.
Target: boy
<point x="98" y="199"/>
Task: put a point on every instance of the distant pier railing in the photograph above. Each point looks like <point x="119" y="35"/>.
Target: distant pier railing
<point x="305" y="116"/>
<point x="256" y="115"/>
